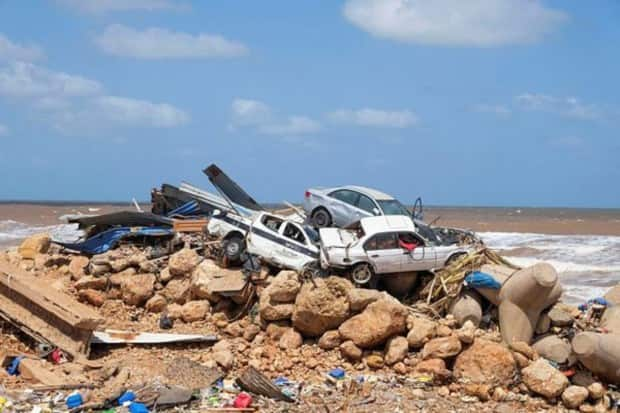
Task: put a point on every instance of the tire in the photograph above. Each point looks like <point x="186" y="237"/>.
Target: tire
<point x="233" y="248"/>
<point x="363" y="275"/>
<point x="321" y="218"/>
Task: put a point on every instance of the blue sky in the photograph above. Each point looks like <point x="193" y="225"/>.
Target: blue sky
<point x="485" y="102"/>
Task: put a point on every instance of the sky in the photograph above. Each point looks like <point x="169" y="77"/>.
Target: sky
<point x="476" y="103"/>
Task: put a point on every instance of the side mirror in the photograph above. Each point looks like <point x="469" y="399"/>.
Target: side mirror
<point x="376" y="211"/>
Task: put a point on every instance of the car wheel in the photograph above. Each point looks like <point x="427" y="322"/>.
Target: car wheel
<point x="321" y="218"/>
<point x="363" y="275"/>
<point x="233" y="248"/>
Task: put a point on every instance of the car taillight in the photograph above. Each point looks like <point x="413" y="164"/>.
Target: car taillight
<point x="308" y="194"/>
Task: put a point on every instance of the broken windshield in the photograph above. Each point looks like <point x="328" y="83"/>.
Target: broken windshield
<point x="312" y="234"/>
<point x="393" y="207"/>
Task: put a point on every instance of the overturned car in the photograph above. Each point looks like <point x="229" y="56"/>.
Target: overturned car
<point x="377" y="246"/>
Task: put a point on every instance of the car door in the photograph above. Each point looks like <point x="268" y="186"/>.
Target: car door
<point x="264" y="236"/>
<point x="384" y="253"/>
<point x="295" y="249"/>
<point x="421" y="258"/>
<point x="366" y="207"/>
<point x="342" y="206"/>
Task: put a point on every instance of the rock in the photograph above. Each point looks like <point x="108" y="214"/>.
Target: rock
<point x="467" y="332"/>
<point x="443" y="347"/>
<point x="290" y="340"/>
<point x="359" y="298"/>
<point x="156" y="304"/>
<point x="271" y="311"/>
<point x="400" y="368"/>
<point x="174" y="311"/>
<point x="541" y="378"/>
<point x="544" y="324"/>
<point x="378" y="322"/>
<point x="321" y="306"/>
<point x="91" y="283"/>
<point x="523" y="348"/>
<point x="250" y="332"/>
<point x="177" y="291"/>
<point x="195" y="311"/>
<point x="522" y="361"/>
<point x="93" y="297"/>
<point x="499" y="394"/>
<point x="560" y="317"/>
<point x="183" y="262"/>
<point x="137" y="289"/>
<point x="116" y="280"/>
<point x="99" y="265"/>
<point x="284" y="287"/>
<point x="77" y="266"/>
<point x="421" y="332"/>
<point x="596" y="391"/>
<point x="234" y="329"/>
<point x="574" y="396"/>
<point x="202" y="278"/>
<point x="443" y="331"/>
<point x="435" y="367"/>
<point x="485" y="362"/>
<point x="553" y="348"/>
<point x="350" y="351"/>
<point x="481" y="391"/>
<point x="224" y="358"/>
<point x="330" y="340"/>
<point x="375" y="361"/>
<point x="583" y="378"/>
<point x="148" y="266"/>
<point x="165" y="276"/>
<point x="33" y="245"/>
<point x="120" y="264"/>
<point x="275" y="331"/>
<point x="396" y="350"/>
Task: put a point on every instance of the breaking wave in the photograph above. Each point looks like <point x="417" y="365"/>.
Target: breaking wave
<point x="587" y="264"/>
<point x="11" y="232"/>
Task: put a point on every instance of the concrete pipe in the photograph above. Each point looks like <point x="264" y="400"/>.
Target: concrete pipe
<point x="522" y="299"/>
<point x="600" y="353"/>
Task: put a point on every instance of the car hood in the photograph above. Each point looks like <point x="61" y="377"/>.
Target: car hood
<point x="336" y="237"/>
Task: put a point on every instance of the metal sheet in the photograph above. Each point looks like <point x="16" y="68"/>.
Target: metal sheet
<point x="130" y="337"/>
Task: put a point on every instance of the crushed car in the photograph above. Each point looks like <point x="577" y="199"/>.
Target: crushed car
<point x="378" y="246"/>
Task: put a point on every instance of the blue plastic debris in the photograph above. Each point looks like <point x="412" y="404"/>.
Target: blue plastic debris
<point x="281" y="381"/>
<point x="128" y="396"/>
<point x="74" y="400"/>
<point x="478" y="279"/>
<point x="13" y="368"/>
<point x="138" y="408"/>
<point x="597" y="300"/>
<point x="104" y="241"/>
<point x="337" y="373"/>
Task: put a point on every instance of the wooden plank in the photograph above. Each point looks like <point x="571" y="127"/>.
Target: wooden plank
<point x="47" y="315"/>
<point x="254" y="381"/>
<point x="130" y="337"/>
<point x="189" y="225"/>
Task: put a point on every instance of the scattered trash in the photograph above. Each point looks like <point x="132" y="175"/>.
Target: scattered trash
<point x="337" y="373"/>
<point x="13" y="368"/>
<point x="128" y="396"/>
<point x="253" y="381"/>
<point x="242" y="400"/>
<point x="74" y="400"/>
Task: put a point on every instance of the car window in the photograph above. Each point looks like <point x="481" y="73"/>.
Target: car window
<point x="271" y="222"/>
<point x="385" y="241"/>
<point x="312" y="234"/>
<point x="393" y="207"/>
<point x="409" y="238"/>
<point x="346" y="196"/>
<point x="366" y="204"/>
<point x="293" y="232"/>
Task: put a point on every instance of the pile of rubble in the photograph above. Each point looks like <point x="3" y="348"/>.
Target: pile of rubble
<point x="294" y="343"/>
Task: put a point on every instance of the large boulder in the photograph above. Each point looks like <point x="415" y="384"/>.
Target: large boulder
<point x="177" y="290"/>
<point x="36" y="244"/>
<point x="542" y="378"/>
<point x="422" y="330"/>
<point x="183" y="262"/>
<point x="321" y="306"/>
<point x="284" y="287"/>
<point x="202" y="280"/>
<point x="378" y="322"/>
<point x="574" y="396"/>
<point x="272" y="311"/>
<point x="553" y="348"/>
<point x="359" y="298"/>
<point x="485" y="362"/>
<point x="442" y="347"/>
<point x="195" y="311"/>
<point x="137" y="289"/>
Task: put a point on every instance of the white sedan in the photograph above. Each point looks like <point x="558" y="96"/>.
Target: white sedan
<point x="382" y="245"/>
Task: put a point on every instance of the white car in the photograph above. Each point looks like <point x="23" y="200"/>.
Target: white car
<point x="382" y="245"/>
<point x="277" y="240"/>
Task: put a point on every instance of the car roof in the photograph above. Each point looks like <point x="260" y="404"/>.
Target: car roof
<point x="373" y="193"/>
<point x="384" y="223"/>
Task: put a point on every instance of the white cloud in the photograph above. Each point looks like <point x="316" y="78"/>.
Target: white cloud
<point x="499" y="110"/>
<point x="157" y="43"/>
<point x="375" y="117"/>
<point x="260" y="117"/>
<point x="26" y="80"/>
<point x="480" y="23"/>
<point x="4" y="131"/>
<point x="10" y="51"/>
<point x="105" y="6"/>
<point x="140" y="112"/>
<point x="566" y="106"/>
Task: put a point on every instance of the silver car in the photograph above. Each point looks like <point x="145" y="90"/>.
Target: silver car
<point x="345" y="205"/>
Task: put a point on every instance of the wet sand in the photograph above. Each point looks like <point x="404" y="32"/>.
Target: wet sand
<point x="536" y="220"/>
